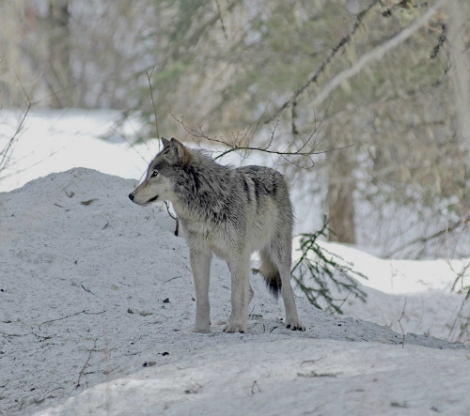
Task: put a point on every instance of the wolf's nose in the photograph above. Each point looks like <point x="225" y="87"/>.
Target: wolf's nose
<point x="131" y="197"/>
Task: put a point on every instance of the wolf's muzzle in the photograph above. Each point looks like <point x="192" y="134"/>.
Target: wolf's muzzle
<point x="131" y="197"/>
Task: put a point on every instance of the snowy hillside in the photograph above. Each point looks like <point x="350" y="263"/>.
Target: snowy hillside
<point x="94" y="289"/>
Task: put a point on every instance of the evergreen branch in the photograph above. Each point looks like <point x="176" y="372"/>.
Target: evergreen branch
<point x="317" y="269"/>
<point x="374" y="54"/>
<point x="323" y="66"/>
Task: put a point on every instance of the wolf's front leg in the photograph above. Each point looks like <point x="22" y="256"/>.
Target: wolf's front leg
<point x="240" y="271"/>
<point x="200" y="266"/>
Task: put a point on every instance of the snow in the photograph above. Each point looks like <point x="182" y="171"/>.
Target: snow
<point x="418" y="290"/>
<point x="55" y="141"/>
<point x="97" y="308"/>
<point x="295" y="377"/>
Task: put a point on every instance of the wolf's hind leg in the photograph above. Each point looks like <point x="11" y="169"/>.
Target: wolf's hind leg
<point x="200" y="266"/>
<point x="281" y="257"/>
<point x="292" y="318"/>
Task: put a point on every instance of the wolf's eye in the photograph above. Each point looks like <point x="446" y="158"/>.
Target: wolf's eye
<point x="154" y="173"/>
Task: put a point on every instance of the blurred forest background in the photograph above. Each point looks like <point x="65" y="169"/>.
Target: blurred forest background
<point x="375" y="93"/>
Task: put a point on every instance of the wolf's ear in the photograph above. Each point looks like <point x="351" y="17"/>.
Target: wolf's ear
<point x="165" y="142"/>
<point x="184" y="155"/>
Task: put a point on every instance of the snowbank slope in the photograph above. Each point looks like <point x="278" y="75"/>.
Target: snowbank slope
<point x="93" y="287"/>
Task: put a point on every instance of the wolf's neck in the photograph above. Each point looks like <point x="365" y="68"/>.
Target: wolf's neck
<point x="203" y="193"/>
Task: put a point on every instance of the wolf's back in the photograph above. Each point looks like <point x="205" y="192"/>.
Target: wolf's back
<point x="268" y="182"/>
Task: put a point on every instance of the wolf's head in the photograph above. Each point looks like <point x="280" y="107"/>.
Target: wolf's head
<point x="158" y="185"/>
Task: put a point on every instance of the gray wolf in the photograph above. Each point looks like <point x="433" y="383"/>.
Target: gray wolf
<point x="231" y="213"/>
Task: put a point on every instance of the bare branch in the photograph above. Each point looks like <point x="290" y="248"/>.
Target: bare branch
<point x="401" y="327"/>
<point x="6" y="151"/>
<point x="340" y="46"/>
<point x="149" y="80"/>
<point x="221" y="16"/>
<point x="247" y="136"/>
<point x="86" y="311"/>
<point x="194" y="38"/>
<point x="376" y="53"/>
<point x="463" y="222"/>
<point x="82" y="372"/>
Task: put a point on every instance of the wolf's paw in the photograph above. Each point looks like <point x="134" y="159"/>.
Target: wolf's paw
<point x="232" y="327"/>
<point x="295" y="325"/>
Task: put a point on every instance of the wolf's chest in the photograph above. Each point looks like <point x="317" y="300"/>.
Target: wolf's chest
<point x="216" y="238"/>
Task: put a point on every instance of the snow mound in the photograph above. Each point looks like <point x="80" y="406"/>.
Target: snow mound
<point x="94" y="287"/>
<point x="294" y="377"/>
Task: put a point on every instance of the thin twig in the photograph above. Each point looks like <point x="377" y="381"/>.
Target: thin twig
<point x="82" y="372"/>
<point x="42" y="337"/>
<point x="149" y="75"/>
<point x="173" y="278"/>
<point x="424" y="240"/>
<point x="181" y="45"/>
<point x="235" y="147"/>
<point x="221" y="17"/>
<point x="70" y="316"/>
<point x="255" y="384"/>
<point x="401" y="327"/>
<point x="275" y="152"/>
<point x="374" y="54"/>
<point x="7" y="149"/>
<point x="87" y="290"/>
<point x="340" y="46"/>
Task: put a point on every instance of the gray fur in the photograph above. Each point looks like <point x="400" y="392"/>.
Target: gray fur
<point x="231" y="213"/>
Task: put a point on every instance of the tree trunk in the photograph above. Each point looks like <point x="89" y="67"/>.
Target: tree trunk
<point x="340" y="197"/>
<point x="460" y="76"/>
<point x="59" y="79"/>
<point x="460" y="70"/>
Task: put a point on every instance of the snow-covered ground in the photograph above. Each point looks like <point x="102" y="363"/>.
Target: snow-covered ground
<point x="55" y="141"/>
<point x="97" y="306"/>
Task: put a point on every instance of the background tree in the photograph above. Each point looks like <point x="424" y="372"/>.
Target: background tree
<point x="258" y="74"/>
<point x="392" y="121"/>
<point x="74" y="53"/>
<point x="59" y="76"/>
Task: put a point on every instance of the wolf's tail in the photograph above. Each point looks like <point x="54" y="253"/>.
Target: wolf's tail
<point x="271" y="274"/>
